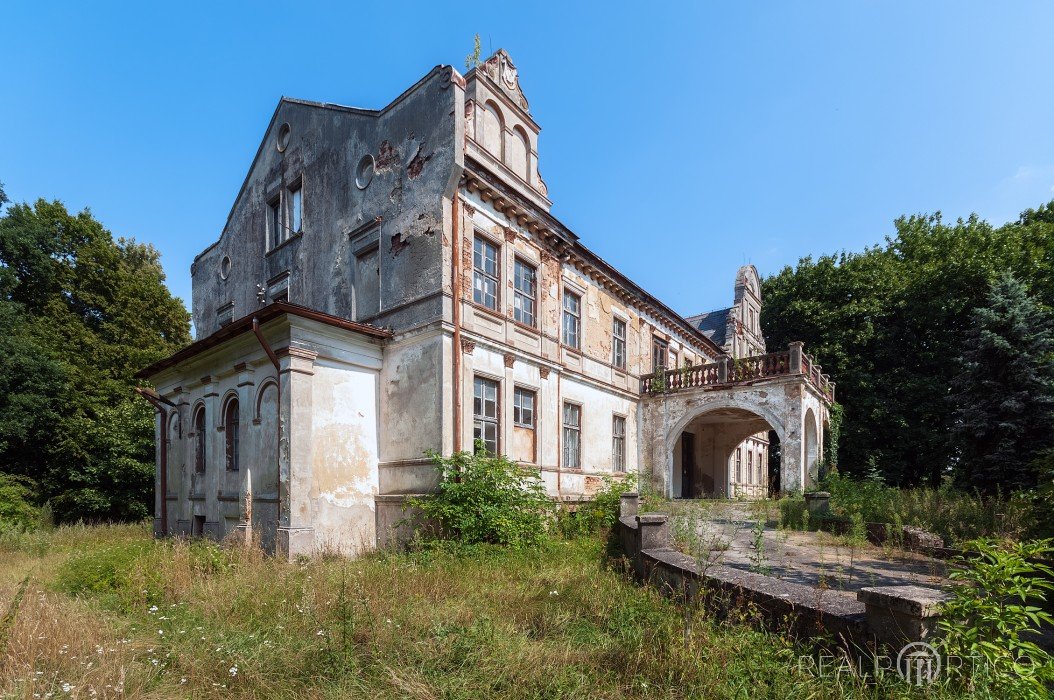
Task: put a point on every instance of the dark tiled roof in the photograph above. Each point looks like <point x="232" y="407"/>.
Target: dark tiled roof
<point x="712" y="324"/>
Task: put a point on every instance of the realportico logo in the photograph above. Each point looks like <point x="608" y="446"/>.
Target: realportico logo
<point x="918" y="663"/>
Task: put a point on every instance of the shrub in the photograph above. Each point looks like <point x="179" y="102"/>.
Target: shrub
<point x="16" y="508"/>
<point x="792" y="512"/>
<point x="990" y="611"/>
<point x="486" y="498"/>
<point x="600" y="513"/>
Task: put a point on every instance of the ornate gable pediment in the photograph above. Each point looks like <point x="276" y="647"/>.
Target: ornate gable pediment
<point x="501" y="70"/>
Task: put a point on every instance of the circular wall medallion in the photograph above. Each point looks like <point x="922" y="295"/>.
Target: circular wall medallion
<point x="225" y="267"/>
<point x="283" y="137"/>
<point x="364" y="172"/>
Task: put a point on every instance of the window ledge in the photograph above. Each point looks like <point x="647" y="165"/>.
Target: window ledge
<point x="295" y="237"/>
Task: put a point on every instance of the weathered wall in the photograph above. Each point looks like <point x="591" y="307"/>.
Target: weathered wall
<point x="415" y="147"/>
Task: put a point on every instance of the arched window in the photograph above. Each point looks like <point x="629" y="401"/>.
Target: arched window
<point x="199" y="440"/>
<point x="518" y="153"/>
<point x="230" y="431"/>
<point x="493" y="130"/>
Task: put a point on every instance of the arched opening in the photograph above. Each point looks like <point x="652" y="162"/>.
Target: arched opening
<point x="492" y="130"/>
<point x="199" y="440"/>
<point x="722" y="453"/>
<point x="774" y="464"/>
<point x="812" y="450"/>
<point x="231" y="434"/>
<point x="518" y="153"/>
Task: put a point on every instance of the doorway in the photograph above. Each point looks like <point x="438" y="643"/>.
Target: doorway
<point x="688" y="465"/>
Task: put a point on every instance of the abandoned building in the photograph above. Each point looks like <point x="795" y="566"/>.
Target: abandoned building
<point x="392" y="281"/>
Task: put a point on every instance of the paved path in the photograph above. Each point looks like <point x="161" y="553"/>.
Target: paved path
<point x="726" y="533"/>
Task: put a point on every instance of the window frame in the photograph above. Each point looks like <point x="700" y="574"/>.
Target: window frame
<point x="275" y="222"/>
<point x="618" y="443"/>
<point x="479" y="273"/>
<point x="618" y="343"/>
<point x="480" y="419"/>
<point x="518" y="409"/>
<point x="231" y="434"/>
<point x="296" y="207"/>
<point x="575" y="317"/>
<point x="739" y="465"/>
<point x="657" y="344"/>
<point x="200" y="443"/>
<point x="568" y="430"/>
<point x="521" y="297"/>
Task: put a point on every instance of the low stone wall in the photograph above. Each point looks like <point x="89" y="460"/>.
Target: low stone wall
<point x="888" y="616"/>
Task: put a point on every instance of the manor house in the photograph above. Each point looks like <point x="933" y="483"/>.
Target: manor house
<point x="392" y="281"/>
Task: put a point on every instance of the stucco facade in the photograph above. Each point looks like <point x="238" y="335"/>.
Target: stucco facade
<point x="390" y="282"/>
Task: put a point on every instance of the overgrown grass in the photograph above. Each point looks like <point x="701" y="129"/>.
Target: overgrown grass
<point x="111" y="613"/>
<point x="952" y="513"/>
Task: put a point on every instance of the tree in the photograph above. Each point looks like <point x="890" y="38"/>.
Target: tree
<point x="1004" y="392"/>
<point x="86" y="313"/>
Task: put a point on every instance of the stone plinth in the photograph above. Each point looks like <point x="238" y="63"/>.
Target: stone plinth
<point x="653" y="531"/>
<point x="898" y="615"/>
<point x="629" y="504"/>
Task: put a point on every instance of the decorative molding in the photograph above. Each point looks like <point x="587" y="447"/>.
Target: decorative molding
<point x="510" y="235"/>
<point x="543" y="372"/>
<point x="510" y="359"/>
<point x="468" y="346"/>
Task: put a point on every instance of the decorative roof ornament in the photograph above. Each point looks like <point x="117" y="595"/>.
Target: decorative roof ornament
<point x="502" y="71"/>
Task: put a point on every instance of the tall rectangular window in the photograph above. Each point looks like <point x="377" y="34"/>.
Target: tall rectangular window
<point x="525" y="280"/>
<point x="572" y="434"/>
<point x="367" y="283"/>
<point x="485" y="413"/>
<point x="618" y="443"/>
<point x="485" y="273"/>
<point x="618" y="343"/>
<point x="750" y="466"/>
<point x="572" y="335"/>
<point x="296" y="209"/>
<point x="523" y="407"/>
<point x="659" y="349"/>
<point x="672" y="359"/>
<point x="274" y="221"/>
<point x="739" y="464"/>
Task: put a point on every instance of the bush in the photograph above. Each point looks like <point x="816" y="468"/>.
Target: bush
<point x="600" y="513"/>
<point x="792" y="512"/>
<point x="16" y="509"/>
<point x="486" y="498"/>
<point x="990" y="612"/>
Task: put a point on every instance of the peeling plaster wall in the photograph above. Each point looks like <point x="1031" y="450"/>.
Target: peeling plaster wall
<point x="415" y="147"/>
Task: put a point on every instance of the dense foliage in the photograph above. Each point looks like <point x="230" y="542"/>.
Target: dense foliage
<point x="485" y="498"/>
<point x="81" y="314"/>
<point x="1004" y="395"/>
<point x="890" y="323"/>
<point x="993" y="615"/>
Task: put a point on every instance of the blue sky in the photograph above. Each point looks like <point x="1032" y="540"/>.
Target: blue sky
<point x="679" y="140"/>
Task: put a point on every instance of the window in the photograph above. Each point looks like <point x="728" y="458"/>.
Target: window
<point x="296" y="208"/>
<point x="673" y="360"/>
<point x="367" y="283"/>
<point x="761" y="474"/>
<point x="618" y="343"/>
<point x="274" y="220"/>
<point x="525" y="280"/>
<point x="199" y="440"/>
<point x="485" y="273"/>
<point x="618" y="443"/>
<point x="750" y="466"/>
<point x="659" y="349"/>
<point x="230" y="433"/>
<point x="572" y="436"/>
<point x="739" y="464"/>
<point x="485" y="413"/>
<point x="572" y="319"/>
<point x="523" y="407"/>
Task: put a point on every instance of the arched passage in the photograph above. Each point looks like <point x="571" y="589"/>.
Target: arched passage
<point x="721" y="451"/>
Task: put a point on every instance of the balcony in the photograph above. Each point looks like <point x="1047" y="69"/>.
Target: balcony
<point x="748" y="370"/>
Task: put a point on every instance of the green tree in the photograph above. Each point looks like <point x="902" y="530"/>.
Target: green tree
<point x="1004" y="393"/>
<point x="90" y="312"/>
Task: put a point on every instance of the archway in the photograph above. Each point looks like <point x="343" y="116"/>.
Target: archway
<point x="720" y="452"/>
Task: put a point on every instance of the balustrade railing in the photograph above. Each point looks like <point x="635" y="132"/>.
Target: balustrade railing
<point x="738" y="371"/>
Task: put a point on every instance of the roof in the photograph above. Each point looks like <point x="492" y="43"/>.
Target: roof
<point x="245" y="324"/>
<point x="712" y="324"/>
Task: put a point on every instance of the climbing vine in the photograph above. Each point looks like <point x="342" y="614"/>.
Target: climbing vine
<point x="832" y="435"/>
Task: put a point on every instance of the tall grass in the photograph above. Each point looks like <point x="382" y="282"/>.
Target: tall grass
<point x="113" y="615"/>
